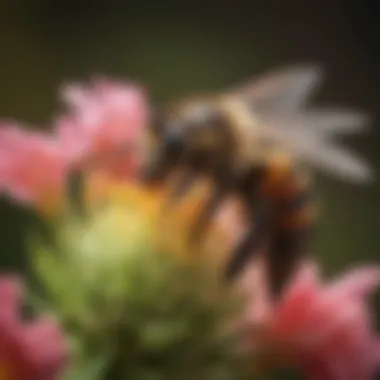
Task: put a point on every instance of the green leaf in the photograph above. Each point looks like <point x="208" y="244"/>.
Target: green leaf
<point x="161" y="334"/>
<point x="60" y="281"/>
<point x="89" y="369"/>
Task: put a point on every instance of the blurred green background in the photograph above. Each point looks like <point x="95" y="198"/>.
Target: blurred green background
<point x="182" y="47"/>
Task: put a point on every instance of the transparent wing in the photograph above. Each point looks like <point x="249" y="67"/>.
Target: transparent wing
<point x="316" y="148"/>
<point x="278" y="101"/>
<point x="286" y="90"/>
<point x="336" y="160"/>
<point x="323" y="123"/>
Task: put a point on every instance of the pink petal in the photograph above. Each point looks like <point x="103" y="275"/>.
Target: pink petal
<point x="297" y="299"/>
<point x="104" y="118"/>
<point x="45" y="348"/>
<point x="357" y="283"/>
<point x="32" y="164"/>
<point x="34" y="351"/>
<point x="328" y="329"/>
<point x="10" y="296"/>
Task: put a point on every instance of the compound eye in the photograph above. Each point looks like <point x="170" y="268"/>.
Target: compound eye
<point x="174" y="141"/>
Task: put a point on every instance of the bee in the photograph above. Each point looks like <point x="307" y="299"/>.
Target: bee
<point x="259" y="141"/>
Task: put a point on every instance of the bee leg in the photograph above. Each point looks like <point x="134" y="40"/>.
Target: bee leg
<point x="154" y="172"/>
<point x="251" y="243"/>
<point x="181" y="186"/>
<point x="200" y="227"/>
<point x="225" y="179"/>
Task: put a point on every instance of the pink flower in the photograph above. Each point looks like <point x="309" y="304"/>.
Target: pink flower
<point x="32" y="165"/>
<point x="105" y="121"/>
<point x="104" y="124"/>
<point x="28" y="350"/>
<point x="326" y="329"/>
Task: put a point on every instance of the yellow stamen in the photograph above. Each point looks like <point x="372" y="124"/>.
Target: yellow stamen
<point x="172" y="224"/>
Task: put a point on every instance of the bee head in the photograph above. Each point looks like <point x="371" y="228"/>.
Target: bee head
<point x="204" y="127"/>
<point x="193" y="132"/>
